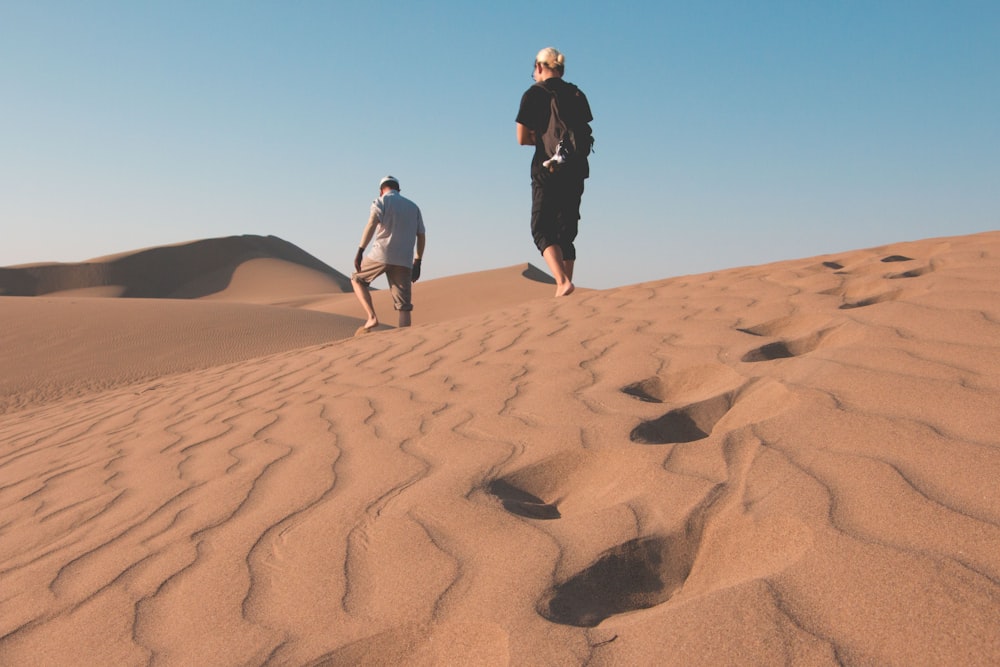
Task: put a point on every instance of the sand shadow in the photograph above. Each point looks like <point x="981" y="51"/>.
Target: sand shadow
<point x="871" y="301"/>
<point x="784" y="349"/>
<point x="626" y="578"/>
<point x="637" y="574"/>
<point x="790" y="327"/>
<point x="537" y="275"/>
<point x="897" y="258"/>
<point x="685" y="384"/>
<point x="913" y="273"/>
<point x="520" y="502"/>
<point x="650" y="390"/>
<point x="686" y="424"/>
<point x="769" y="352"/>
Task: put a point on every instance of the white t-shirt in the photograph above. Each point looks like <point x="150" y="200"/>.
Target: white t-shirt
<point x="399" y="222"/>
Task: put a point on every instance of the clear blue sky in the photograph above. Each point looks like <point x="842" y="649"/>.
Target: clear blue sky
<point x="728" y="133"/>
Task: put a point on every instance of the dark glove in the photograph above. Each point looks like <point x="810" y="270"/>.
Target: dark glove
<point x="415" y="273"/>
<point x="357" y="259"/>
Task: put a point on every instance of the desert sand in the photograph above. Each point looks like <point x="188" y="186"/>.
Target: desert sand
<point x="793" y="463"/>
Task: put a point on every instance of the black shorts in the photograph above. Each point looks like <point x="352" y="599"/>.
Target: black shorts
<point x="555" y="212"/>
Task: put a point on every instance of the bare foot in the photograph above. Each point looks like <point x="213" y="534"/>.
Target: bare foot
<point x="565" y="290"/>
<point x="371" y="323"/>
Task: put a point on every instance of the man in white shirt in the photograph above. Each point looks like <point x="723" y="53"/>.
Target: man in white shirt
<point x="397" y="226"/>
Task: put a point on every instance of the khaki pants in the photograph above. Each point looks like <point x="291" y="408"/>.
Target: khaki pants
<point x="400" y="280"/>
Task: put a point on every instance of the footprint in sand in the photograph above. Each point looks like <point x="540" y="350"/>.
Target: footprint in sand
<point x="523" y="492"/>
<point x="707" y="391"/>
<point x="650" y="390"/>
<point x="872" y="300"/>
<point x="686" y="385"/>
<point x="912" y="273"/>
<point x="877" y="298"/>
<point x="784" y="349"/>
<point x="638" y="574"/>
<point x="518" y="501"/>
<point x="650" y="569"/>
<point x="653" y="569"/>
<point x="539" y="490"/>
<point x="706" y="395"/>
<point x="634" y="575"/>
<point x="777" y="350"/>
<point x="687" y="424"/>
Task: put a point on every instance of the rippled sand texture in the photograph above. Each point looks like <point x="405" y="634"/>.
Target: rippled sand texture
<point x="790" y="463"/>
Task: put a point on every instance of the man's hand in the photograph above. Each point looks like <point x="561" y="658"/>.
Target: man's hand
<point x="415" y="273"/>
<point x="357" y="259"/>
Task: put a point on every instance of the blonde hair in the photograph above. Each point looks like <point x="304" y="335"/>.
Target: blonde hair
<point x="551" y="59"/>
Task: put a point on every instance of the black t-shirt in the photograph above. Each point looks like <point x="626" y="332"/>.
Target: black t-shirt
<point x="536" y="106"/>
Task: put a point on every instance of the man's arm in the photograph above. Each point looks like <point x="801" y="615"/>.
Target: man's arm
<point x="421" y="242"/>
<point x="525" y="136"/>
<point x="418" y="259"/>
<point x="366" y="237"/>
<point x="369" y="232"/>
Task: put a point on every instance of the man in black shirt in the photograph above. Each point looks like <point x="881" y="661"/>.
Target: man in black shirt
<point x="555" y="196"/>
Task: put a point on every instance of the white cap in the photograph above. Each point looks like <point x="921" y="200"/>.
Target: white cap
<point x="388" y="179"/>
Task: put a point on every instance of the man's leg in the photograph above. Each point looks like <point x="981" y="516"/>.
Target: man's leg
<point x="569" y="222"/>
<point x="400" y="285"/>
<point x="554" y="259"/>
<point x="568" y="268"/>
<point x="360" y="280"/>
<point x="544" y="214"/>
<point x="365" y="297"/>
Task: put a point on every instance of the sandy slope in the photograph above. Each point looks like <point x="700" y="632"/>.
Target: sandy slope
<point x="790" y="463"/>
<point x="200" y="304"/>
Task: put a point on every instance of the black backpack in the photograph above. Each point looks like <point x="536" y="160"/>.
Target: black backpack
<point x="567" y="139"/>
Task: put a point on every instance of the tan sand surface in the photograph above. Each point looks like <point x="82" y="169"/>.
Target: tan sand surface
<point x="78" y="336"/>
<point x="793" y="463"/>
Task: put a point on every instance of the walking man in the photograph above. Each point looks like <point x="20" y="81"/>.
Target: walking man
<point x="397" y="227"/>
<point x="555" y="196"/>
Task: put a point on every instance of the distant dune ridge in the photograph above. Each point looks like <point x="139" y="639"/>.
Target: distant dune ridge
<point x="793" y="463"/>
<point x="183" y="271"/>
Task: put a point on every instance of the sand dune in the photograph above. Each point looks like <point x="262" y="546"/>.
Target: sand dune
<point x="182" y="271"/>
<point x="788" y="463"/>
<point x="271" y="296"/>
